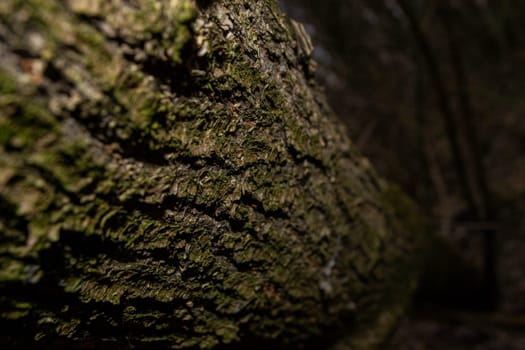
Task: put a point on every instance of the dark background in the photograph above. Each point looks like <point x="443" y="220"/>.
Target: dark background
<point x="432" y="92"/>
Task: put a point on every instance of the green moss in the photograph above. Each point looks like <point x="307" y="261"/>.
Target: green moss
<point x="5" y="134"/>
<point x="14" y="271"/>
<point x="23" y="125"/>
<point x="7" y="83"/>
<point x="200" y="207"/>
<point x="184" y="13"/>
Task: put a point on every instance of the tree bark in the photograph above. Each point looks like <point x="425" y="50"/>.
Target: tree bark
<point x="171" y="175"/>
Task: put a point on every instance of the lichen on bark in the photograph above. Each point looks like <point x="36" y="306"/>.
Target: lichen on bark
<point x="171" y="175"/>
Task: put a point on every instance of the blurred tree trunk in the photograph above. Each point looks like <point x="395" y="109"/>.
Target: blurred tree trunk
<point x="170" y="175"/>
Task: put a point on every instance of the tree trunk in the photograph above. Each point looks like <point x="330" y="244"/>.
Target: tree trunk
<point x="170" y="175"/>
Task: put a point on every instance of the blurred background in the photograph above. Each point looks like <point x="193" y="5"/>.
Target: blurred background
<point x="432" y="92"/>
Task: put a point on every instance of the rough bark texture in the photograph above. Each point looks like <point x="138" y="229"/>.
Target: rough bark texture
<point x="170" y="175"/>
